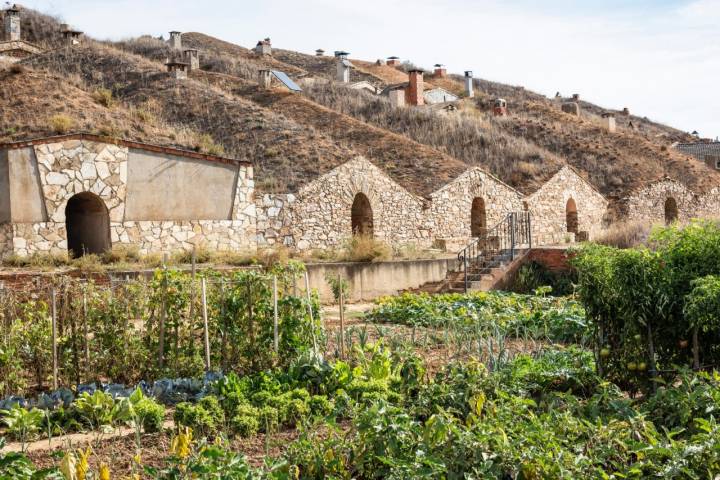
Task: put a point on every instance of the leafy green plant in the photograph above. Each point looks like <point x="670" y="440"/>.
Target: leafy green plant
<point x="22" y="423"/>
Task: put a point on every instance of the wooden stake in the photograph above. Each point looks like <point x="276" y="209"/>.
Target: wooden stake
<point x="86" y="330"/>
<point x="205" y="324"/>
<point x="342" y="323"/>
<point x="54" y="340"/>
<point x="163" y="313"/>
<point x="696" y="349"/>
<point x="276" y="339"/>
<point x="310" y="310"/>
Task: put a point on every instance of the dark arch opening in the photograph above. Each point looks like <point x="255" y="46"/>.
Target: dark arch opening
<point x="671" y="210"/>
<point x="362" y="216"/>
<point x="478" y="218"/>
<point x="571" y="216"/>
<point x="88" y="225"/>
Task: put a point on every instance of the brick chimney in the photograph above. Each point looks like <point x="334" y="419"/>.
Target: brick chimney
<point x="319" y="52"/>
<point x="469" y="91"/>
<point x="264" y="47"/>
<point x="414" y="92"/>
<point x="192" y="58"/>
<point x="576" y="97"/>
<point x="70" y="36"/>
<point x="440" y="70"/>
<point x="393" y="61"/>
<point x="175" y="40"/>
<point x="12" y="24"/>
<point x="264" y="79"/>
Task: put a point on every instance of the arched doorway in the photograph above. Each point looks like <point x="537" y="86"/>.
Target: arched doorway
<point x="571" y="216"/>
<point x="671" y="211"/>
<point x="478" y="218"/>
<point x="362" y="216"/>
<point x="88" y="225"/>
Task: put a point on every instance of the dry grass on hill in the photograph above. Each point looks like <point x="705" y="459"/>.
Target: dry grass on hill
<point x="466" y="136"/>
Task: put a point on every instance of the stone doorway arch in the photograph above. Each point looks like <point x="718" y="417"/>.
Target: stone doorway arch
<point x="478" y="218"/>
<point x="671" y="211"/>
<point x="571" y="216"/>
<point x="362" y="216"/>
<point x="87" y="222"/>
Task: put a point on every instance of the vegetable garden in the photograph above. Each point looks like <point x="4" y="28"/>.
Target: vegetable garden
<point x="484" y="385"/>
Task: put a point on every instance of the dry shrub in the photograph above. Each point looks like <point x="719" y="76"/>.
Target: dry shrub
<point x="364" y="248"/>
<point x="104" y="97"/>
<point x="61" y="124"/>
<point x="122" y="254"/>
<point x="206" y="144"/>
<point x="88" y="263"/>
<point x="37" y="260"/>
<point x="274" y="256"/>
<point x="626" y="235"/>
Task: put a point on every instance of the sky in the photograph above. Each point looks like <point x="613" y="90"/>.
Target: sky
<point x="659" y="58"/>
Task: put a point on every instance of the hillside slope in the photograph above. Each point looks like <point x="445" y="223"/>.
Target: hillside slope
<point x="294" y="138"/>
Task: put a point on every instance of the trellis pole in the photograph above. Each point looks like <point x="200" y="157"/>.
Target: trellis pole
<point x="342" y="321"/>
<point x="163" y="313"/>
<point x="205" y="324"/>
<point x="54" y="339"/>
<point x="310" y="310"/>
<point x="276" y="339"/>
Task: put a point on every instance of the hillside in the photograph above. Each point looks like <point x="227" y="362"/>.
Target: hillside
<point x="294" y="138"/>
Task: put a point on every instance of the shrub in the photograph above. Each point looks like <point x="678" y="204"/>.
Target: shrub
<point x="364" y="248"/>
<point x="104" y="97"/>
<point x="151" y="414"/>
<point x="206" y="144"/>
<point x="61" y="124"/>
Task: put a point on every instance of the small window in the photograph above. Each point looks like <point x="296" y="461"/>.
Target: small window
<point x="717" y="163"/>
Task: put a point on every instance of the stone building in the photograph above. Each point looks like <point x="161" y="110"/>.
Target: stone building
<point x="12" y="47"/>
<point x="665" y="201"/>
<point x="439" y="95"/>
<point x="82" y="193"/>
<point x="566" y="209"/>
<point x="470" y="205"/>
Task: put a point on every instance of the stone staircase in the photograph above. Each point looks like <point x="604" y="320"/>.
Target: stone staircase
<point x="485" y="261"/>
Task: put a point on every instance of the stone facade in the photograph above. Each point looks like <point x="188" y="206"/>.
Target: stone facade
<point x="549" y="209"/>
<point x="322" y="209"/>
<point x="649" y="203"/>
<point x="83" y="164"/>
<point x="451" y="206"/>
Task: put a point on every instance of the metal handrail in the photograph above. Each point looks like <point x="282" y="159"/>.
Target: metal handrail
<point x="513" y="231"/>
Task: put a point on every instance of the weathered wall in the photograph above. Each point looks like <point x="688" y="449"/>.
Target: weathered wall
<point x="322" y="209"/>
<point x="26" y="197"/>
<point x="451" y="206"/>
<point x="168" y="187"/>
<point x="368" y="281"/>
<point x="649" y="202"/>
<point x="708" y="205"/>
<point x="548" y="208"/>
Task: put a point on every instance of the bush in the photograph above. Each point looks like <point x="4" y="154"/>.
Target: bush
<point x="364" y="248"/>
<point x="638" y="299"/>
<point x="61" y="124"/>
<point x="291" y="412"/>
<point x="104" y="97"/>
<point x="206" y="144"/>
<point x="151" y="414"/>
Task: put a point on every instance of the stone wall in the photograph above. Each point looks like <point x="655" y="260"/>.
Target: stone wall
<point x="450" y="209"/>
<point x="275" y="220"/>
<point x="548" y="208"/>
<point x="322" y="209"/>
<point x="73" y="166"/>
<point x="648" y="204"/>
